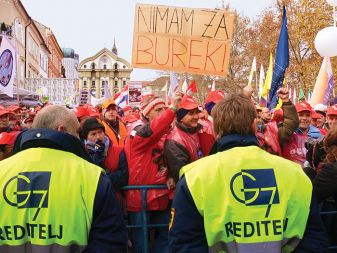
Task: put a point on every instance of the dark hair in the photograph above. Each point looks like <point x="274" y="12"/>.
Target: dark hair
<point x="330" y="146"/>
<point x="89" y="125"/>
<point x="234" y="114"/>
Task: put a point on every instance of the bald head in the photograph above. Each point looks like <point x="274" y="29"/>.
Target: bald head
<point x="58" y="118"/>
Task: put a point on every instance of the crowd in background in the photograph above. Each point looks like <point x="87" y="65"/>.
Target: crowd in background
<point x="149" y="146"/>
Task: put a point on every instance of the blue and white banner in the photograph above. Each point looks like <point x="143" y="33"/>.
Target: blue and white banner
<point x="7" y="66"/>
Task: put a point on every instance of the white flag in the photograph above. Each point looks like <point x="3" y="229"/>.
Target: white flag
<point x="7" y="66"/>
<point x="213" y="86"/>
<point x="184" y="86"/>
<point x="252" y="71"/>
<point x="261" y="82"/>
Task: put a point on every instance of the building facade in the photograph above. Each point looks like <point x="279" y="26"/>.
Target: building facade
<point x="104" y="69"/>
<point x="32" y="51"/>
<point x="56" y="55"/>
<point x="70" y="63"/>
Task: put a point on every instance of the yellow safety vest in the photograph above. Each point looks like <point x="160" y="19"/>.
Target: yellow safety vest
<point x="46" y="201"/>
<point x="251" y="201"/>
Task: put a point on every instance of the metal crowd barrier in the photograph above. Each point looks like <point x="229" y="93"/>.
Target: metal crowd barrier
<point x="145" y="227"/>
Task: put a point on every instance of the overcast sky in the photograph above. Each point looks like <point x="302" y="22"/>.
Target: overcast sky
<point x="88" y="26"/>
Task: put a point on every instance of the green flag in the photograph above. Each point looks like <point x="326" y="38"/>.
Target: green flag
<point x="301" y="95"/>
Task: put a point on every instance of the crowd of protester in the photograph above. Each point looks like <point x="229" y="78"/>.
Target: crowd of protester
<point x="149" y="146"/>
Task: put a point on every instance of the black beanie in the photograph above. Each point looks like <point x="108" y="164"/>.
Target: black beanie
<point x="181" y="114"/>
<point x="89" y="125"/>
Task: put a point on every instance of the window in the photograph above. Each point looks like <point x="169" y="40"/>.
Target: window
<point x="85" y="83"/>
<point x="104" y="66"/>
<point x="116" y="66"/>
<point x="124" y="67"/>
<point x="84" y="66"/>
<point x="124" y="83"/>
<point x="93" y="84"/>
<point x="116" y="84"/>
<point x="93" y="65"/>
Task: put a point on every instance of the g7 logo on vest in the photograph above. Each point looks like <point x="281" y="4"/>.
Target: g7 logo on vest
<point x="28" y="190"/>
<point x="255" y="187"/>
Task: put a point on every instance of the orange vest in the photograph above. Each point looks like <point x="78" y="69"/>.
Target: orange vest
<point x="112" y="136"/>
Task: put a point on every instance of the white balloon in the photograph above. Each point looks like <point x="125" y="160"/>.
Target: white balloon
<point x="326" y="41"/>
<point x="332" y="2"/>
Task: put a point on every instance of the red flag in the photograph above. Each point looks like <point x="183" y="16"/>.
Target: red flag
<point x="192" y="88"/>
<point x="116" y="95"/>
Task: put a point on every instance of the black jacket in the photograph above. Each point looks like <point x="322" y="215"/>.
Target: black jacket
<point x="108" y="232"/>
<point x="187" y="233"/>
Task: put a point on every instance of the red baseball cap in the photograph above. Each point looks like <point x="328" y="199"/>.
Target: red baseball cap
<point x="316" y="115"/>
<point x="13" y="108"/>
<point x="81" y="111"/>
<point x="8" y="138"/>
<point x="215" y="96"/>
<point x="332" y="110"/>
<point x="93" y="111"/>
<point x="132" y="117"/>
<point x="303" y="106"/>
<point x="188" y="103"/>
<point x="127" y="108"/>
<point x="4" y="112"/>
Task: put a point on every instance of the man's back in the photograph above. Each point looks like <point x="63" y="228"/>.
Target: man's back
<point x="244" y="196"/>
<point x="48" y="199"/>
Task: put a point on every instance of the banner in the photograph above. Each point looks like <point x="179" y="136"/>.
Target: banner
<point x="58" y="90"/>
<point x="182" y="39"/>
<point x="7" y="66"/>
<point x="135" y="94"/>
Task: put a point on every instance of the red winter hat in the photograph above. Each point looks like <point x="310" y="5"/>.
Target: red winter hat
<point x="149" y="102"/>
<point x="215" y="96"/>
<point x="81" y="111"/>
<point x="303" y="106"/>
<point x="332" y="110"/>
<point x="188" y="103"/>
<point x="8" y="138"/>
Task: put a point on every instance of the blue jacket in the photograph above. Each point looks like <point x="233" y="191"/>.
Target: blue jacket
<point x="187" y="232"/>
<point x="313" y="132"/>
<point x="108" y="232"/>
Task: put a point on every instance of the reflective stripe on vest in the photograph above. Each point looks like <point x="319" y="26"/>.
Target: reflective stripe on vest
<point x="53" y="248"/>
<point x="47" y="198"/>
<point x="248" y="196"/>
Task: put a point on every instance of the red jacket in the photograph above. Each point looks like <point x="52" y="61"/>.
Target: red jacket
<point x="183" y="146"/>
<point x="295" y="149"/>
<point x="207" y="136"/>
<point x="269" y="139"/>
<point x="144" y="151"/>
<point x="111" y="161"/>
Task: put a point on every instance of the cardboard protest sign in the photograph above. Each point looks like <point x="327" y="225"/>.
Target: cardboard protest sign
<point x="182" y="39"/>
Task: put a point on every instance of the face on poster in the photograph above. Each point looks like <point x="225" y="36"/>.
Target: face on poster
<point x="135" y="94"/>
<point x="6" y="67"/>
